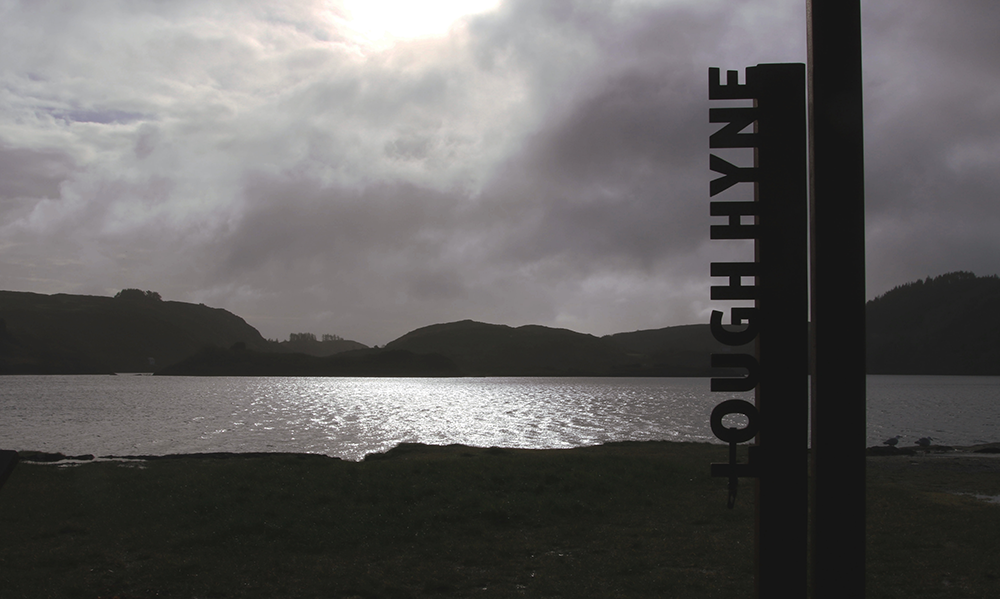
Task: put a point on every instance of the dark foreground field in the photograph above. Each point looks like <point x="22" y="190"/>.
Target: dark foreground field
<point x="620" y="520"/>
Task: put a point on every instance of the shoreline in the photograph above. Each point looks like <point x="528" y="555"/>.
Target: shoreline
<point x="400" y="450"/>
<point x="43" y="457"/>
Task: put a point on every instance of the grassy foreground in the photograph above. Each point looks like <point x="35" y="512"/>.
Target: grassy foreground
<point x="619" y="520"/>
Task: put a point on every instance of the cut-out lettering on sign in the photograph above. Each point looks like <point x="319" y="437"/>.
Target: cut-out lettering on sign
<point x="759" y="194"/>
<point x="738" y="221"/>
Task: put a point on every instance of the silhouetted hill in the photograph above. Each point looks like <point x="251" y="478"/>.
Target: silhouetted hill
<point x="675" y="351"/>
<point x="481" y="349"/>
<point x="943" y="325"/>
<point x="138" y="332"/>
<point x="314" y="347"/>
<point x="133" y="332"/>
<point x="471" y="348"/>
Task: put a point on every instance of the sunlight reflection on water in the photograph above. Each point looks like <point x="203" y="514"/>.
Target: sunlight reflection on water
<point x="351" y="417"/>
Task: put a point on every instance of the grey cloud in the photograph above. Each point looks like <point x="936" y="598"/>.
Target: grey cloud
<point x="290" y="220"/>
<point x="932" y="135"/>
<point x="547" y="164"/>
<point x="29" y="173"/>
<point x="409" y="147"/>
<point x="636" y="123"/>
<point x="146" y="140"/>
<point x="103" y="116"/>
<point x="379" y="256"/>
<point x="614" y="179"/>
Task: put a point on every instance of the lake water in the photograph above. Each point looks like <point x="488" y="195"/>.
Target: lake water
<point x="351" y="417"/>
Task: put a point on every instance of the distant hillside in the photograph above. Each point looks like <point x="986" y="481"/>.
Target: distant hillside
<point x="134" y="332"/>
<point x="481" y="349"/>
<point x="138" y="332"/>
<point x="469" y="348"/>
<point x="306" y="343"/>
<point x="674" y="351"/>
<point x="943" y="325"/>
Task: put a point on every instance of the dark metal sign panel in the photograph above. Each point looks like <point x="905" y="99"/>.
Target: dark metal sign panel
<point x="774" y="287"/>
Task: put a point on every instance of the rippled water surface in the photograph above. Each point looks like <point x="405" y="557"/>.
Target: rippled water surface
<point x="953" y="410"/>
<point x="351" y="417"/>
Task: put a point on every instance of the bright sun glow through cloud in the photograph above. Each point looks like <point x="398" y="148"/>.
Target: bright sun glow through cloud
<point x="384" y="20"/>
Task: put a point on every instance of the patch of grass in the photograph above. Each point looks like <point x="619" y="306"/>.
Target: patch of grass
<point x="928" y="536"/>
<point x="619" y="520"/>
<point x="625" y="520"/>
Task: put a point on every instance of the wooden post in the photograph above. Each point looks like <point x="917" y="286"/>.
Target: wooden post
<point x="838" y="297"/>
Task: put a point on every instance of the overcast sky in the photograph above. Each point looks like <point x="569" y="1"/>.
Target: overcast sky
<point x="365" y="169"/>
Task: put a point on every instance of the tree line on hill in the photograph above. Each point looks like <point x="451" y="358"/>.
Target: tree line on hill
<point x="942" y="325"/>
<point x="948" y="324"/>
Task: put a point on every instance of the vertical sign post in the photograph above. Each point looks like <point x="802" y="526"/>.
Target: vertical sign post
<point x="836" y="161"/>
<point x="778" y="321"/>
